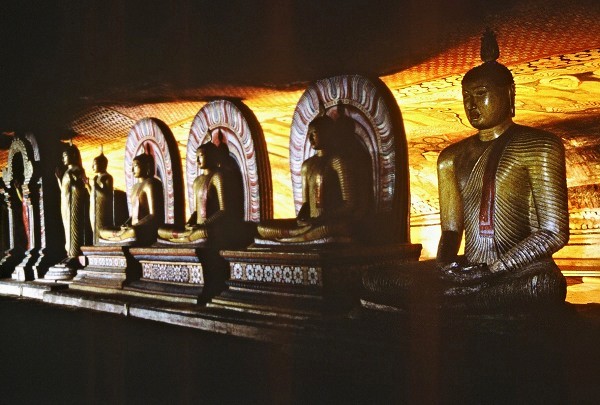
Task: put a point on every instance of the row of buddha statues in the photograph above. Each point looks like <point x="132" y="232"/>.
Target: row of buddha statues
<point x="503" y="189"/>
<point x="335" y="199"/>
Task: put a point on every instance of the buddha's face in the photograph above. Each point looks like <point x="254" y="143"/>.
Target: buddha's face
<point x="66" y="158"/>
<point x="314" y="137"/>
<point x="486" y="104"/>
<point x="201" y="159"/>
<point x="137" y="169"/>
<point x="98" y="166"/>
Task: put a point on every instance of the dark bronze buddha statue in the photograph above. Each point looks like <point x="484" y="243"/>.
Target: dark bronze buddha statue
<point x="218" y="201"/>
<point x="147" y="205"/>
<point x="505" y="189"/>
<point x="331" y="199"/>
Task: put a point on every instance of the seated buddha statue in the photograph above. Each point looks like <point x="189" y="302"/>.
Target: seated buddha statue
<point x="505" y="189"/>
<point x="332" y="202"/>
<point x="147" y="205"/>
<point x="218" y="201"/>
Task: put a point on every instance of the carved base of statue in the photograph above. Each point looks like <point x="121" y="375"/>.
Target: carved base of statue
<point x="303" y="283"/>
<point x="184" y="274"/>
<point x="65" y="270"/>
<point x="108" y="267"/>
<point x="410" y="287"/>
<point x="184" y="266"/>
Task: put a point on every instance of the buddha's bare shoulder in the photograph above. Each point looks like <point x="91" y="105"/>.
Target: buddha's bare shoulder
<point x="455" y="150"/>
<point x="151" y="182"/>
<point x="220" y="176"/>
<point x="534" y="136"/>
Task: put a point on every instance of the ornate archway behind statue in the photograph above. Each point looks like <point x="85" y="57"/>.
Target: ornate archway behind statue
<point x="153" y="136"/>
<point x="230" y="121"/>
<point x="378" y="128"/>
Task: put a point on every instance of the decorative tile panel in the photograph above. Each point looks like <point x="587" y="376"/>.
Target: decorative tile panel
<point x="188" y="273"/>
<point x="277" y="273"/>
<point x="107" y="261"/>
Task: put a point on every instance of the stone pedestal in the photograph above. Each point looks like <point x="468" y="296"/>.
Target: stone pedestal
<point x="108" y="267"/>
<point x="185" y="274"/>
<point x="65" y="270"/>
<point x="303" y="283"/>
<point x="60" y="272"/>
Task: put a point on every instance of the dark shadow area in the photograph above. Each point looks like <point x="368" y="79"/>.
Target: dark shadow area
<point x="57" y="355"/>
<point x="60" y="56"/>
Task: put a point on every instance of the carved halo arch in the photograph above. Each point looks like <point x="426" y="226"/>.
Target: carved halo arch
<point x="380" y="130"/>
<point x="29" y="151"/>
<point x="154" y="136"/>
<point x="244" y="136"/>
<point x="26" y="148"/>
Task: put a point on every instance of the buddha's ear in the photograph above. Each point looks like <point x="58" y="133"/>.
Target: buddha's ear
<point x="511" y="94"/>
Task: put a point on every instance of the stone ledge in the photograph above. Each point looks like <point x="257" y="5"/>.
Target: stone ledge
<point x="29" y="289"/>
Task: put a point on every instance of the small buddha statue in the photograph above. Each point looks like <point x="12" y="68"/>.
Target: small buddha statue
<point x="74" y="204"/>
<point x="505" y="189"/>
<point x="331" y="200"/>
<point x="218" y="201"/>
<point x="147" y="208"/>
<point x="101" y="196"/>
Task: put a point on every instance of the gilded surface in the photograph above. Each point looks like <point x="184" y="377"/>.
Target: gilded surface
<point x="332" y="198"/>
<point x="232" y="123"/>
<point x="101" y="197"/>
<point x="505" y="190"/>
<point x="147" y="212"/>
<point x="74" y="203"/>
<point x="218" y="200"/>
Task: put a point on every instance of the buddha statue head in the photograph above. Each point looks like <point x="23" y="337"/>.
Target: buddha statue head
<point x="143" y="166"/>
<point x="207" y="156"/>
<point x="489" y="89"/>
<point x="71" y="155"/>
<point x="320" y="132"/>
<point x="100" y="164"/>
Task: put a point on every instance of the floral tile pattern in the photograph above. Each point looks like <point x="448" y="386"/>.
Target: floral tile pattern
<point x="276" y="273"/>
<point x="173" y="272"/>
<point x="107" y="261"/>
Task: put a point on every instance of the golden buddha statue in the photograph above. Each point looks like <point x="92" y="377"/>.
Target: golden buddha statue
<point x="74" y="205"/>
<point x="218" y="201"/>
<point x="505" y="189"/>
<point x="332" y="203"/>
<point x="101" y="196"/>
<point x="147" y="205"/>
